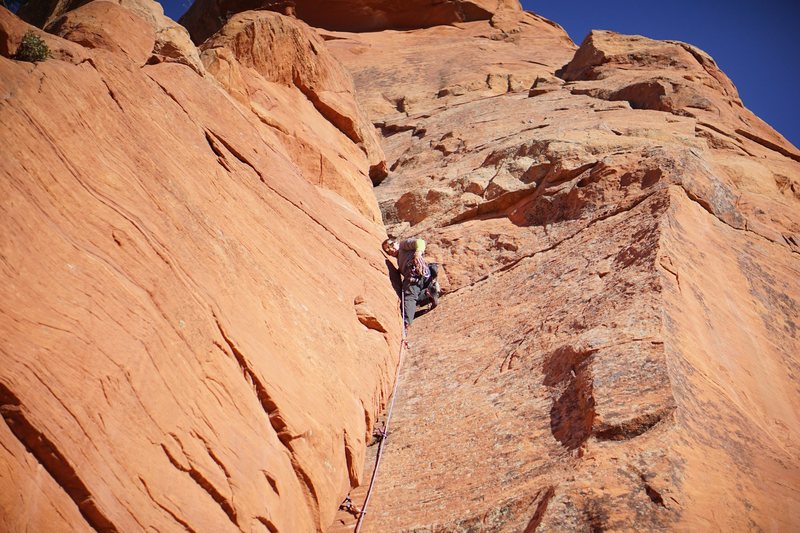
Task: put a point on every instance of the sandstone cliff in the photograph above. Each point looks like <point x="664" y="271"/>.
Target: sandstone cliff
<point x="197" y="324"/>
<point x="198" y="328"/>
<point x="619" y="345"/>
<point x="205" y="17"/>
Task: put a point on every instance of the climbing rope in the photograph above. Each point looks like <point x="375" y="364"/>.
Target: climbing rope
<point x="384" y="434"/>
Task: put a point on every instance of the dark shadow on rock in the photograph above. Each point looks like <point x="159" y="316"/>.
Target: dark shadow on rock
<point x="572" y="414"/>
<point x="562" y="362"/>
<point x="394" y="276"/>
<point x="567" y="370"/>
<point x="421" y="312"/>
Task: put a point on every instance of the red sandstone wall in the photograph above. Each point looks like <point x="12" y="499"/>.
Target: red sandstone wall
<point x="197" y="324"/>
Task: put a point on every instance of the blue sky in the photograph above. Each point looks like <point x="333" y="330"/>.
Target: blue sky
<point x="755" y="42"/>
<point x="175" y="8"/>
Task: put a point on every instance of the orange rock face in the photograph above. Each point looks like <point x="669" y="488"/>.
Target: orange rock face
<point x="198" y="327"/>
<point x="172" y="43"/>
<point x="281" y="70"/>
<point x="618" y="348"/>
<point x="195" y="334"/>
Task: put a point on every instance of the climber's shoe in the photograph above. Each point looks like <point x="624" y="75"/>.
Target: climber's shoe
<point x="433" y="293"/>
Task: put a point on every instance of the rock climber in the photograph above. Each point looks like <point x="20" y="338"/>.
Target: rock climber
<point x="420" y="285"/>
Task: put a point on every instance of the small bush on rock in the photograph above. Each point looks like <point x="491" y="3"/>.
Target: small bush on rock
<point x="32" y="48"/>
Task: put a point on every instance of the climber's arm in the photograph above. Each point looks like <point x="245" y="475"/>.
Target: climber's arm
<point x="417" y="245"/>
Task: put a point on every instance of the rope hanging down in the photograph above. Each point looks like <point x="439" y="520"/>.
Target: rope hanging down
<point x="385" y="432"/>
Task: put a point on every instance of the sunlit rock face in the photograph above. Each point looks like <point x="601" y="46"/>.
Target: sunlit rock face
<point x="172" y="42"/>
<point x="619" y="345"/>
<point x="199" y="329"/>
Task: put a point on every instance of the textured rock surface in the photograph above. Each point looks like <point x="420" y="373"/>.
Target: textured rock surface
<point x="107" y="26"/>
<point x="182" y="349"/>
<point x="419" y="72"/>
<point x="282" y="70"/>
<point x="619" y="345"/>
<point x="172" y="42"/>
<point x="205" y="17"/>
<point x="198" y="328"/>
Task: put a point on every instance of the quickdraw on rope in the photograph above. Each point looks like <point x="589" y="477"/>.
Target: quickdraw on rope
<point x="383" y="434"/>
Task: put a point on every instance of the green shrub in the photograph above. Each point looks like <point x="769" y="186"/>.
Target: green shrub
<point x="32" y="48"/>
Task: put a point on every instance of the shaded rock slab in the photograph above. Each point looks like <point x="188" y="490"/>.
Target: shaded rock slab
<point x="204" y="18"/>
<point x="178" y="352"/>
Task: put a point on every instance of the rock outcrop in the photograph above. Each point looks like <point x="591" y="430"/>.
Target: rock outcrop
<point x="618" y="348"/>
<point x="205" y="17"/>
<point x="171" y="40"/>
<point x="198" y="327"/>
<point x="283" y="72"/>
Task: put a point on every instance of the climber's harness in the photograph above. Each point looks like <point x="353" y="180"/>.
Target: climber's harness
<point x="414" y="276"/>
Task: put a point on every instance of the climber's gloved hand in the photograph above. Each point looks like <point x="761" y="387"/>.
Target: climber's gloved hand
<point x="419" y="263"/>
